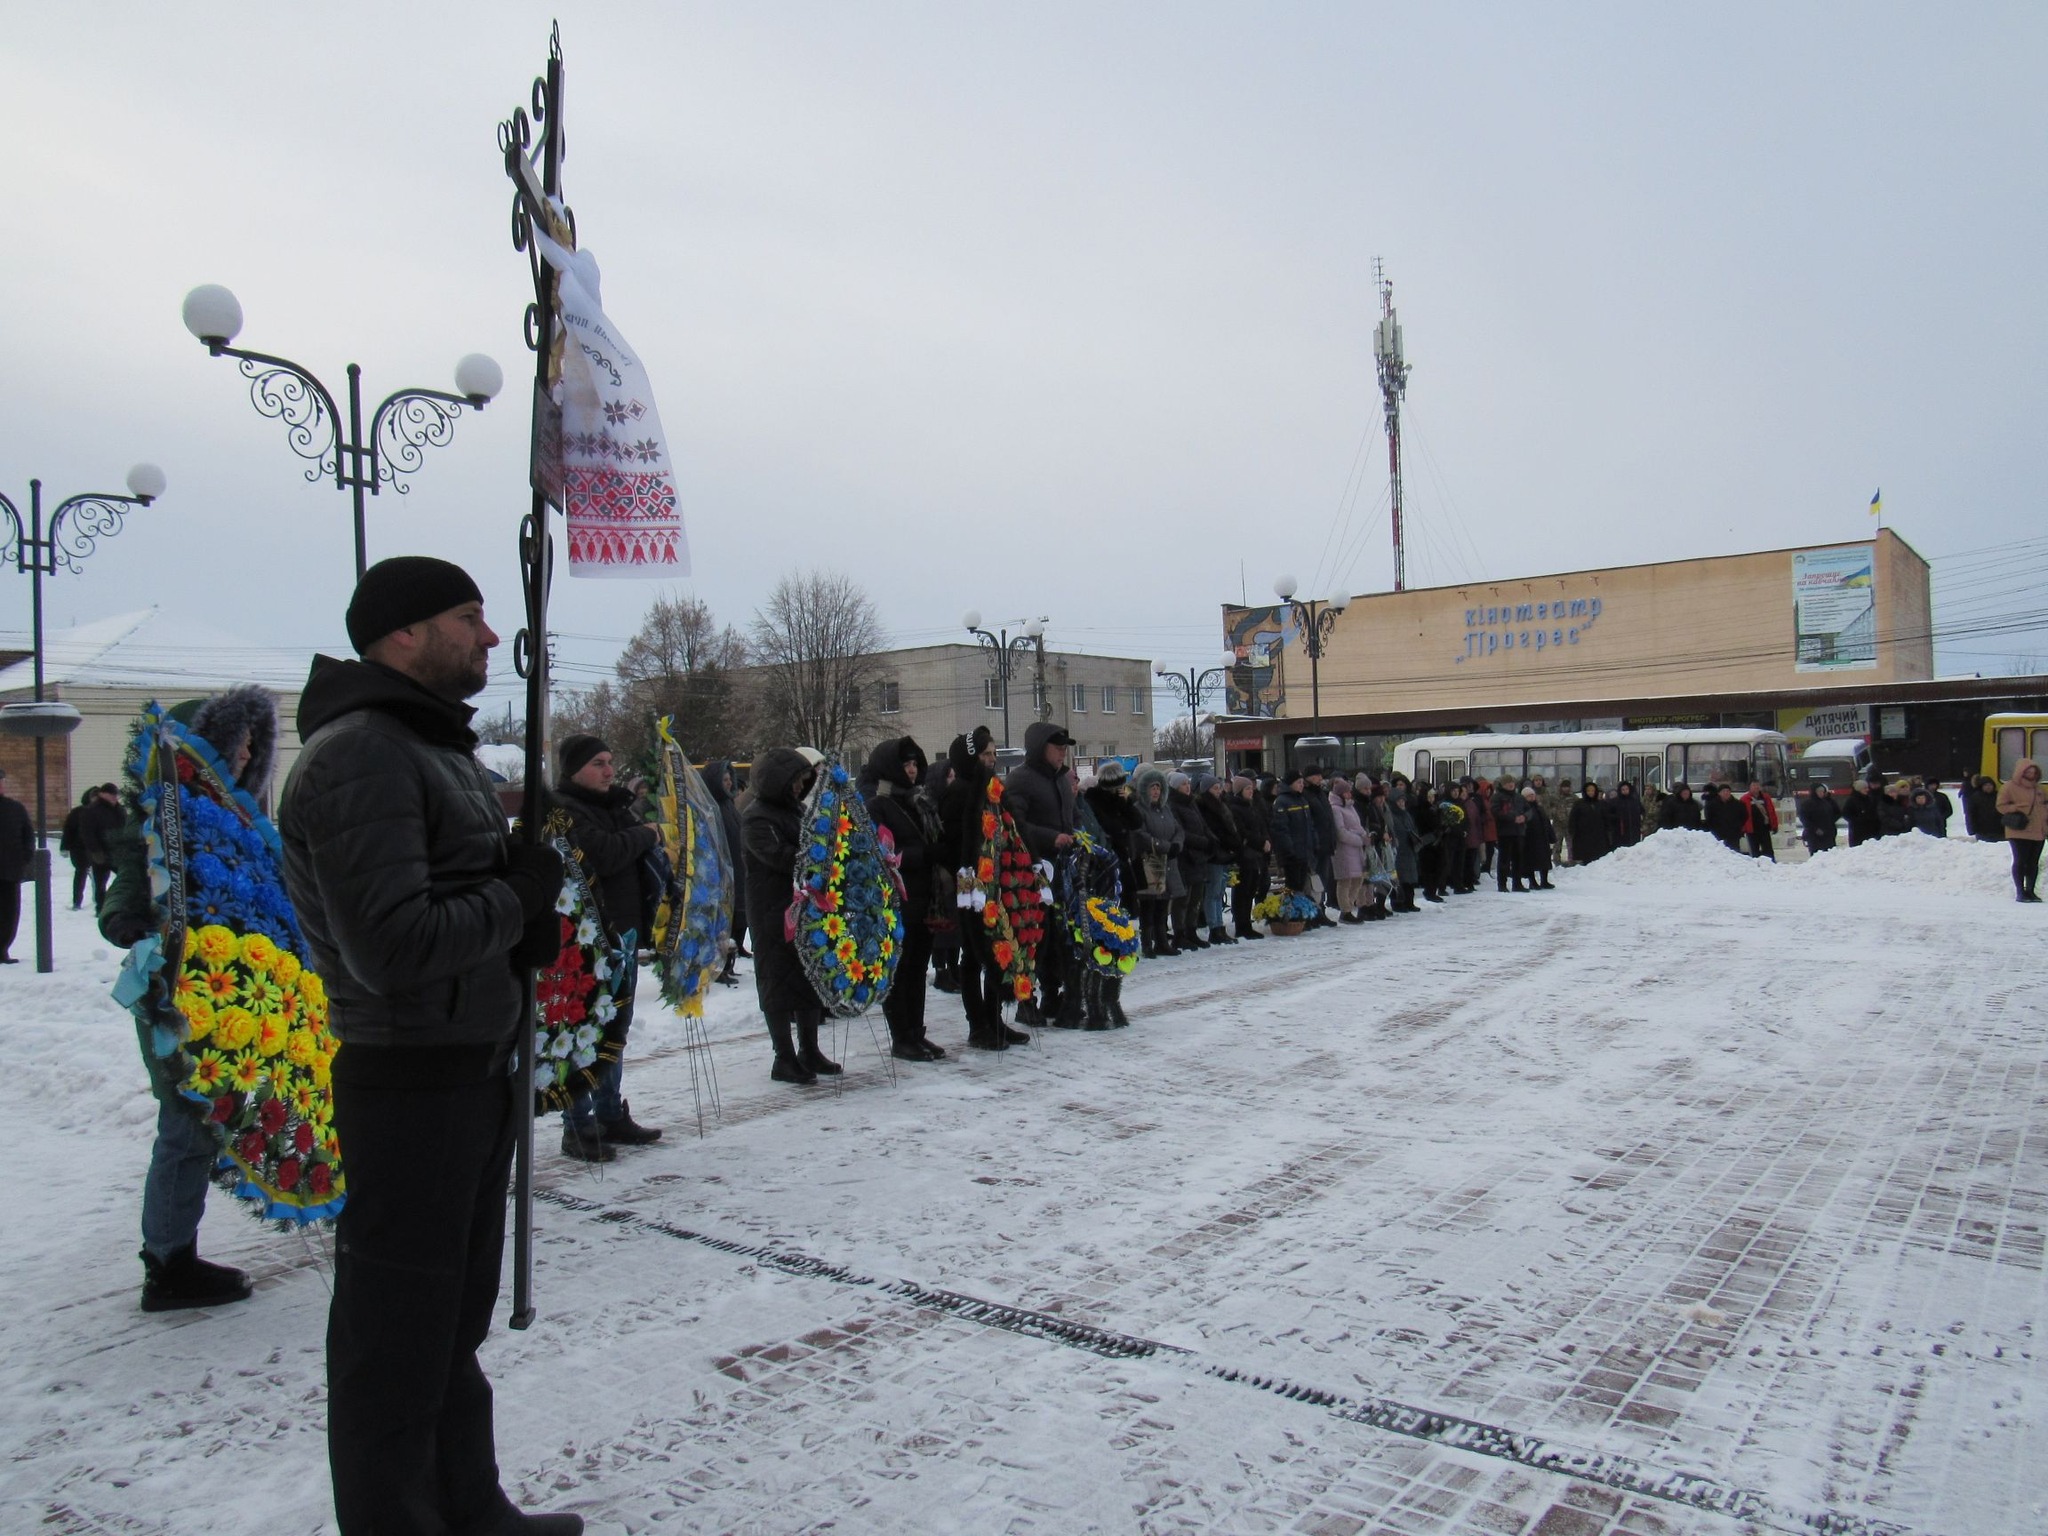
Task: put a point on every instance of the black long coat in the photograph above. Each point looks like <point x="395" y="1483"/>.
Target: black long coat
<point x="1591" y="836"/>
<point x="613" y="842"/>
<point x="770" y="831"/>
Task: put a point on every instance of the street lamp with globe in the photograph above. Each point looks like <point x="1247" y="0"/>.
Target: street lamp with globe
<point x="76" y="526"/>
<point x="401" y="428"/>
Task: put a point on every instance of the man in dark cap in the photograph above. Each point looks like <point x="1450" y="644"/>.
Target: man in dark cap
<point x="614" y="844"/>
<point x="422" y="917"/>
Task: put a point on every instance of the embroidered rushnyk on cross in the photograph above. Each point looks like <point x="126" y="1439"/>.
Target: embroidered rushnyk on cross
<point x="618" y="485"/>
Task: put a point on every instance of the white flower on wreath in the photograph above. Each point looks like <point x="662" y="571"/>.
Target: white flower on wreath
<point x="583" y="1058"/>
<point x="601" y="967"/>
<point x="561" y="1045"/>
<point x="586" y="930"/>
<point x="566" y="902"/>
<point x="586" y="1037"/>
<point x="606" y="1009"/>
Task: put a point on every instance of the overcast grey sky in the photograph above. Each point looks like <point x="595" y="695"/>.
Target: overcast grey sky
<point x="1056" y="308"/>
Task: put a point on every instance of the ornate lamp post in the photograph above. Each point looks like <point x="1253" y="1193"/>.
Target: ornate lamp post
<point x="1003" y="649"/>
<point x="1315" y="621"/>
<point x="407" y="423"/>
<point x="1189" y="686"/>
<point x="76" y="525"/>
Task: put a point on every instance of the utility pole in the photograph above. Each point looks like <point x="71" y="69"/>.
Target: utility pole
<point x="1393" y="368"/>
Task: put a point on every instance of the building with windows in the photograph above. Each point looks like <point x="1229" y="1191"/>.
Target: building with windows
<point x="108" y="670"/>
<point x="937" y="692"/>
<point x="1821" y="641"/>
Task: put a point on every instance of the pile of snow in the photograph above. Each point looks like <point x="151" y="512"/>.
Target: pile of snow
<point x="1961" y="865"/>
<point x="1677" y="857"/>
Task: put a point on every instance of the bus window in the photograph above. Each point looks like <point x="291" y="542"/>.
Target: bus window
<point x="1718" y="762"/>
<point x="1555" y="763"/>
<point x="1674" y="765"/>
<point x="1603" y="767"/>
<point x="2009" y="753"/>
<point x="1495" y="762"/>
<point x="2038" y="743"/>
<point x="1643" y="771"/>
<point x="1770" y="768"/>
<point x="1422" y="767"/>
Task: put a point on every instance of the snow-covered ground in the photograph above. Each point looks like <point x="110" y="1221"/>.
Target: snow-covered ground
<point x="1703" y="1166"/>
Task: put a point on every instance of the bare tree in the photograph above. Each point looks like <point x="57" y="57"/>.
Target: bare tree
<point x="681" y="663"/>
<point x="815" y="646"/>
<point x="508" y="729"/>
<point x="1179" y="739"/>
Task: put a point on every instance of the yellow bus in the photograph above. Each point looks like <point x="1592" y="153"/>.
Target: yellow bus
<point x="2008" y="738"/>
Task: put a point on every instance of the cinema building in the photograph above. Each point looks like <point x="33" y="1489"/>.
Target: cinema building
<point x="1824" y="641"/>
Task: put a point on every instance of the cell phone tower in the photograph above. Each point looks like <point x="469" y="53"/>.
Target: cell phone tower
<point x="1393" y="366"/>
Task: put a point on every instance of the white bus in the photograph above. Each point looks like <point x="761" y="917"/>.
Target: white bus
<point x="1646" y="759"/>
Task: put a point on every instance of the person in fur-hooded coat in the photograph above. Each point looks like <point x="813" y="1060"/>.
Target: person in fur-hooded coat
<point x="241" y="727"/>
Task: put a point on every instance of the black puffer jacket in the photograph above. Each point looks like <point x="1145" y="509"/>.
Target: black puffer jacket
<point x="1681" y="812"/>
<point x="613" y="842"/>
<point x="394" y="849"/>
<point x="769" y="831"/>
<point x="1039" y="798"/>
<point x="1222" y="827"/>
<point x="1252" y="818"/>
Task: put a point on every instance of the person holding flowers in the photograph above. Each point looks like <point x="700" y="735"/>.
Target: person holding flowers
<point x="1039" y="795"/>
<point x="970" y="823"/>
<point x="611" y="844"/>
<point x="424" y="919"/>
<point x="888" y="784"/>
<point x="240" y="726"/>
<point x="771" y="835"/>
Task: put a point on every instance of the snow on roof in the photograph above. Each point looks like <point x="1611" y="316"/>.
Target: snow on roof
<point x="146" y="651"/>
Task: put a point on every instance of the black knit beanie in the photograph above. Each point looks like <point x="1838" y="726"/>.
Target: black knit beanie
<point x="573" y="753"/>
<point x="979" y="742"/>
<point x="404" y="590"/>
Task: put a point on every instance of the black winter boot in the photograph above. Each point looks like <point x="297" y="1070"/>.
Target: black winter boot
<point x="186" y="1280"/>
<point x="1065" y="1010"/>
<point x="1095" y="1016"/>
<point x="1027" y="1013"/>
<point x="585" y="1146"/>
<point x="1113" y="1000"/>
<point x="807" y="1052"/>
<point x="947" y="978"/>
<point x="625" y="1131"/>
<point x="787" y="1068"/>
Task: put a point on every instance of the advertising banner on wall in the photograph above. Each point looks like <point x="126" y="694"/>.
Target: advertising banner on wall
<point x="1834" y="608"/>
<point x="1803" y="727"/>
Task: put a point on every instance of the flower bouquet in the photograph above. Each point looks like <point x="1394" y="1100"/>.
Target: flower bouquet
<point x="1010" y="891"/>
<point x="1285" y="911"/>
<point x="848" y="912"/>
<point x="577" y="994"/>
<point x="1105" y="935"/>
<point x="693" y="926"/>
<point x="223" y="996"/>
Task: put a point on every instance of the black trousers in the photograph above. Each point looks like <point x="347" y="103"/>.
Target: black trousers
<point x="1251" y="885"/>
<point x="982" y="994"/>
<point x="1507" y="861"/>
<point x="2026" y="864"/>
<point x="417" y="1256"/>
<point x="10" y="915"/>
<point x="904" y="1006"/>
